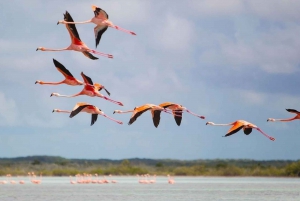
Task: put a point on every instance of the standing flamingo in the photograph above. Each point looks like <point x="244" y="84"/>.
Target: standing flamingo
<point x="71" y="181"/>
<point x="241" y="124"/>
<point x="76" y="43"/>
<point x="69" y="78"/>
<point x="89" y="90"/>
<point x="137" y="111"/>
<point x="177" y="111"/>
<point x="102" y="22"/>
<point x="290" y="119"/>
<point x="86" y="107"/>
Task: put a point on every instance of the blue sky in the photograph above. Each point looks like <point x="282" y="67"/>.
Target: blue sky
<point x="226" y="60"/>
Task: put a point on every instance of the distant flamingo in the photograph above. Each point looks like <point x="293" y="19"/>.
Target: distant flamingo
<point x="170" y="180"/>
<point x="238" y="125"/>
<point x="76" y="43"/>
<point x="137" y="111"/>
<point x="111" y="180"/>
<point x="89" y="90"/>
<point x="153" y="180"/>
<point x="102" y="22"/>
<point x="69" y="78"/>
<point x="71" y="181"/>
<point x="86" y="107"/>
<point x="177" y="111"/>
<point x="290" y="119"/>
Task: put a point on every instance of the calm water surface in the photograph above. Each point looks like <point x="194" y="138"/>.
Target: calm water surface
<point x="128" y="189"/>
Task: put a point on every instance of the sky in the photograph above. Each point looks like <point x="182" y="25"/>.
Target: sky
<point x="225" y="60"/>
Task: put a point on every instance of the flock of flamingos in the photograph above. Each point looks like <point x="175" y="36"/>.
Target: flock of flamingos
<point x="93" y="89"/>
<point x="86" y="179"/>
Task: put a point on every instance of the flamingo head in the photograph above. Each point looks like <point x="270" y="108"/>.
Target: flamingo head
<point x="270" y="119"/>
<point x="40" y="48"/>
<point x="210" y="123"/>
<point x="56" y="110"/>
<point x="117" y="111"/>
<point x="61" y="22"/>
<point x="54" y="94"/>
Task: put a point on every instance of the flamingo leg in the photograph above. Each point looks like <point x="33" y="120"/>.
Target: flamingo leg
<point x="119" y="122"/>
<point x="270" y="137"/>
<point x="113" y="101"/>
<point x="202" y="117"/>
<point x="101" y="54"/>
<point x="124" y="30"/>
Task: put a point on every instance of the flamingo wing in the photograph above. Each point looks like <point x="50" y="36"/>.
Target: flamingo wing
<point x="100" y="13"/>
<point x="177" y="116"/>
<point x="62" y="69"/>
<point x="99" y="30"/>
<point x="138" y="112"/>
<point x="94" y="118"/>
<point x="89" y="55"/>
<point x="77" y="110"/>
<point x="71" y="27"/>
<point x="86" y="79"/>
<point x="235" y="128"/>
<point x="293" y="111"/>
<point x="166" y="104"/>
<point x="156" y="117"/>
<point x="247" y="131"/>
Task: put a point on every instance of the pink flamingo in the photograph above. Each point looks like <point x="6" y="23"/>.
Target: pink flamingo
<point x="177" y="111"/>
<point x="86" y="107"/>
<point x="89" y="89"/>
<point x="241" y="124"/>
<point x="69" y="78"/>
<point x="102" y="22"/>
<point x="112" y="181"/>
<point x="76" y="43"/>
<point x="170" y="180"/>
<point x="153" y="180"/>
<point x="138" y="111"/>
<point x="290" y="119"/>
<point x="71" y="181"/>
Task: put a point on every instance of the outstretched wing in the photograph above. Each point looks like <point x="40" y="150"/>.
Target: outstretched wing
<point x="62" y="69"/>
<point x="89" y="55"/>
<point x="99" y="30"/>
<point x="235" y="128"/>
<point x="77" y="110"/>
<point x="100" y="13"/>
<point x="166" y="104"/>
<point x="94" y="118"/>
<point x="86" y="79"/>
<point x="177" y="116"/>
<point x="293" y="111"/>
<point x="138" y="112"/>
<point x="156" y="117"/>
<point x="72" y="28"/>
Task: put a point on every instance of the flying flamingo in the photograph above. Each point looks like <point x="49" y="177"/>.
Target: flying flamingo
<point x="86" y="107"/>
<point x="177" y="111"/>
<point x="76" y="43"/>
<point x="89" y="90"/>
<point x="102" y="22"/>
<point x="137" y="111"/>
<point x="238" y="125"/>
<point x="290" y="119"/>
<point x="69" y="78"/>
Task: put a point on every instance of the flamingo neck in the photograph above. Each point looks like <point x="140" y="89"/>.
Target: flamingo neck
<point x="64" y="111"/>
<point x="62" y="49"/>
<point x="128" y="111"/>
<point x="83" y="22"/>
<point x="52" y="83"/>
<point x="290" y="119"/>
<point x="221" y="124"/>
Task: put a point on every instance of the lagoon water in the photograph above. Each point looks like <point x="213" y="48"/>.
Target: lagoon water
<point x="184" y="189"/>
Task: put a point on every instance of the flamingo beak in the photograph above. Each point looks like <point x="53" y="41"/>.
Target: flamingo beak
<point x="37" y="49"/>
<point x="57" y="23"/>
<point x="114" y="112"/>
<point x="52" y="111"/>
<point x="50" y="95"/>
<point x="206" y="123"/>
<point x="35" y="82"/>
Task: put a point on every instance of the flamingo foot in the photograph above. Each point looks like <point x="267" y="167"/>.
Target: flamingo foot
<point x="202" y="117"/>
<point x="132" y="33"/>
<point x="271" y="138"/>
<point x="119" y="122"/>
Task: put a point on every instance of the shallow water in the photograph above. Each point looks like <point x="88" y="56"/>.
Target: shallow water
<point x="128" y="189"/>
